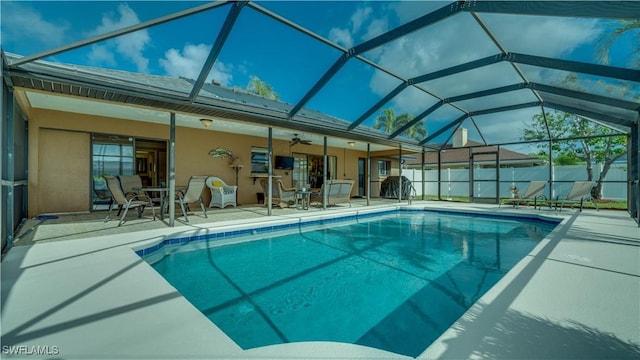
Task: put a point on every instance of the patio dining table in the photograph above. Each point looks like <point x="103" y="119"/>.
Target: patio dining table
<point x="162" y="194"/>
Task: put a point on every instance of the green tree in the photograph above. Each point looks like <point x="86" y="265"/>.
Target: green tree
<point x="607" y="41"/>
<point x="388" y="123"/>
<point x="259" y="87"/>
<point x="588" y="149"/>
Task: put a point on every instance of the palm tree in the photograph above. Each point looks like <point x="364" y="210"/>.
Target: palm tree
<point x="388" y="123"/>
<point x="605" y="43"/>
<point x="417" y="131"/>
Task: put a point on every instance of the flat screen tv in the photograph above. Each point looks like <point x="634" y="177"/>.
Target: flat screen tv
<point x="284" y="162"/>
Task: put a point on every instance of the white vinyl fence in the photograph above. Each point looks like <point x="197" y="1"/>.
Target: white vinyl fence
<point x="455" y="182"/>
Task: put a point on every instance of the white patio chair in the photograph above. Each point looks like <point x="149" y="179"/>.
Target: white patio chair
<point x="222" y="194"/>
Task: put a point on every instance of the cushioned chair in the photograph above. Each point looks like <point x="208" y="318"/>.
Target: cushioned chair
<point x="282" y="196"/>
<point x="126" y="202"/>
<point x="221" y="193"/>
<point x="338" y="192"/>
<point x="193" y="194"/>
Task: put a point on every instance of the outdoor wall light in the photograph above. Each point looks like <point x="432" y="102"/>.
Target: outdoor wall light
<point x="206" y="122"/>
<point x="352" y="143"/>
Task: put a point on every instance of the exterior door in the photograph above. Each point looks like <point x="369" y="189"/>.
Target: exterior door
<point x="300" y="174"/>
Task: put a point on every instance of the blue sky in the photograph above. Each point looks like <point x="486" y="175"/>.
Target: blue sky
<point x="292" y="63"/>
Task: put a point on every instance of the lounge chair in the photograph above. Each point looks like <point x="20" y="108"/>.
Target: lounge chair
<point x="579" y="193"/>
<point x="193" y="194"/>
<point x="126" y="202"/>
<point x="221" y="193"/>
<point x="282" y="196"/>
<point x="533" y="193"/>
<point x="338" y="192"/>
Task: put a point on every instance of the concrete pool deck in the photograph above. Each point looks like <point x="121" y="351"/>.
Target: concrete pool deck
<point x="76" y="290"/>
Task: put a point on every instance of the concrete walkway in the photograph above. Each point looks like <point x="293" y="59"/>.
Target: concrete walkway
<point x="75" y="290"/>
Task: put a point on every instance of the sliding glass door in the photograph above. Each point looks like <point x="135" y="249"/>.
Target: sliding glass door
<point x="300" y="175"/>
<point x="308" y="169"/>
<point x="110" y="155"/>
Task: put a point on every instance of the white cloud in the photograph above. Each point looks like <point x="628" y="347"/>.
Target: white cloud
<point x="341" y="36"/>
<point x="542" y="36"/>
<point x="358" y="18"/>
<point x="410" y="10"/>
<point x="21" y="23"/>
<point x="506" y="126"/>
<point x="363" y="27"/>
<point x="413" y="101"/>
<point x="375" y="28"/>
<point x="459" y="40"/>
<point x="444" y="44"/>
<point x="189" y="64"/>
<point x="101" y="54"/>
<point x="130" y="46"/>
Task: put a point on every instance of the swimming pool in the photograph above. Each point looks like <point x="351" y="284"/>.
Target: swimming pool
<point x="393" y="282"/>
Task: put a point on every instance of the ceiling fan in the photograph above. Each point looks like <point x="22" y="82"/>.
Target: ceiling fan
<point x="296" y="140"/>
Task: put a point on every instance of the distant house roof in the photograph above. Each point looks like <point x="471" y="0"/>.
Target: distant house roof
<point x="451" y="156"/>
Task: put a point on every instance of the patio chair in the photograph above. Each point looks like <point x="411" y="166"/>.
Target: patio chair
<point x="192" y="194"/>
<point x="338" y="192"/>
<point x="282" y="196"/>
<point x="221" y="193"/>
<point x="101" y="196"/>
<point x="579" y="193"/>
<point x="126" y="202"/>
<point x="533" y="193"/>
<point x="131" y="185"/>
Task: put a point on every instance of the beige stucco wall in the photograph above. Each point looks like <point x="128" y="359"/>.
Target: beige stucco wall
<point x="63" y="159"/>
<point x="55" y="154"/>
<point x="59" y="142"/>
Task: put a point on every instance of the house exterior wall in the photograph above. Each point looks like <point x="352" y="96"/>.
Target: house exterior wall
<point x="55" y="147"/>
<point x="60" y="150"/>
<point x="64" y="171"/>
<point x="376" y="178"/>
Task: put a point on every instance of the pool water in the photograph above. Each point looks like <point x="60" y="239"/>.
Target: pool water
<point x="396" y="282"/>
